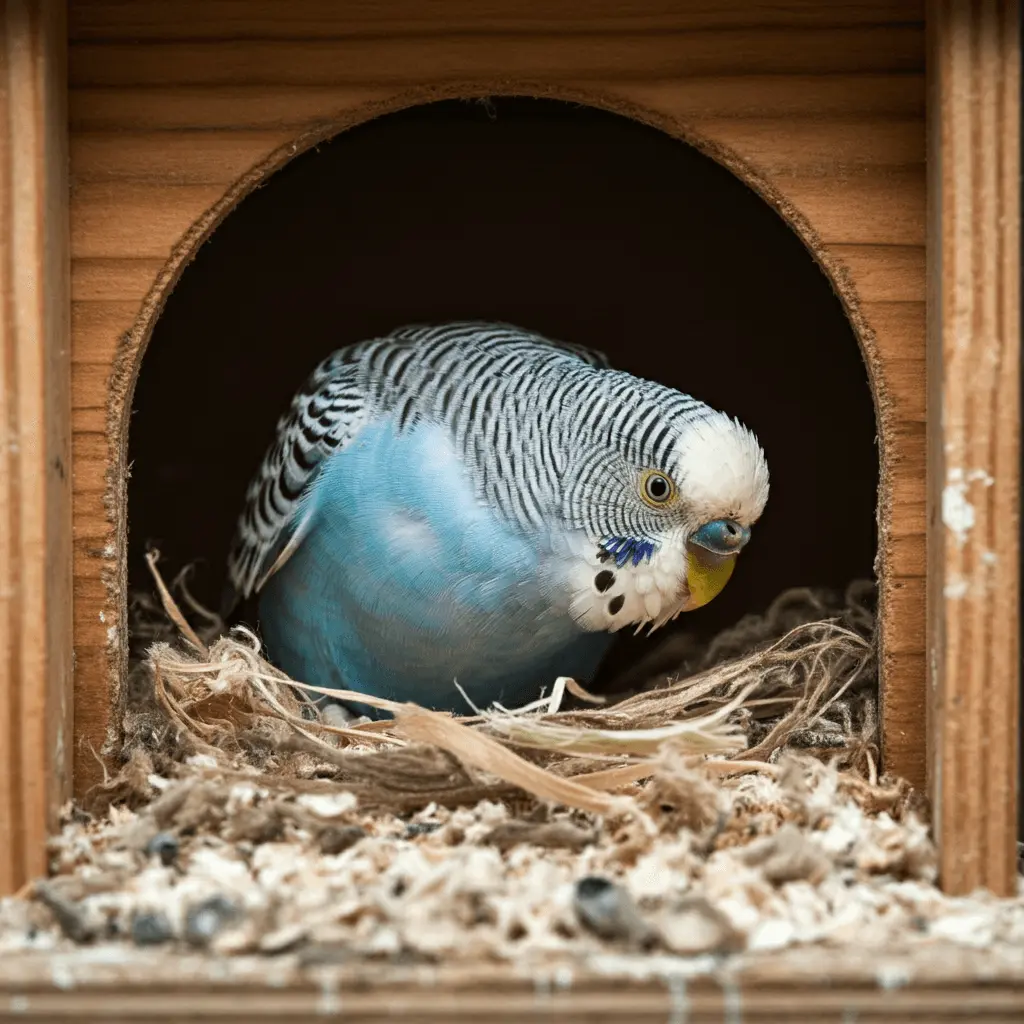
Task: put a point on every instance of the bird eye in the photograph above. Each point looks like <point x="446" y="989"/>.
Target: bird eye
<point x="657" y="489"/>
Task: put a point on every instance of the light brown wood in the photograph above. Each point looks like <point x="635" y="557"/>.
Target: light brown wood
<point x="182" y="158"/>
<point x="974" y="440"/>
<point x="270" y="105"/>
<point x="936" y="983"/>
<point x="881" y="209"/>
<point x="395" y="59"/>
<point x="113" y="279"/>
<point x="240" y="19"/>
<point x="35" y="437"/>
<point x="817" y="105"/>
<point x="885" y="273"/>
<point x="705" y="1003"/>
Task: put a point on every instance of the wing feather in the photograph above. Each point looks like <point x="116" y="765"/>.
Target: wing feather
<point x="326" y="415"/>
<point x="322" y="419"/>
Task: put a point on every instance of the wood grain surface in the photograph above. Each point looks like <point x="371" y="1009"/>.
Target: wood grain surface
<point x="178" y="107"/>
<point x="974" y="443"/>
<point x="35" y="437"/>
<point x="938" y="982"/>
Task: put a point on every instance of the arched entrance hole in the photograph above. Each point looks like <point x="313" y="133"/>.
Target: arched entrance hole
<point x="583" y="224"/>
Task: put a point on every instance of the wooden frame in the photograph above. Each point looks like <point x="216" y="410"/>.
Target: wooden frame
<point x="974" y="440"/>
<point x="821" y="110"/>
<point x="800" y="985"/>
<point x="822" y="113"/>
<point x="167" y="138"/>
<point x="35" y="437"/>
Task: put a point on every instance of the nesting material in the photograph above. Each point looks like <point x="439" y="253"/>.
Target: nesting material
<point x="729" y="813"/>
<point x="753" y="862"/>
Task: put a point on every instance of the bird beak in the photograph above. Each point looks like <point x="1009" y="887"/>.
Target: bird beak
<point x="722" y="536"/>
<point x="706" y="574"/>
<point x="711" y="558"/>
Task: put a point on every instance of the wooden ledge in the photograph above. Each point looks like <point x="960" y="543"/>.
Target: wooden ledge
<point x="933" y="982"/>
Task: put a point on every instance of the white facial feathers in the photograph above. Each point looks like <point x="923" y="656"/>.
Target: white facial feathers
<point x="721" y="473"/>
<point x="721" y="470"/>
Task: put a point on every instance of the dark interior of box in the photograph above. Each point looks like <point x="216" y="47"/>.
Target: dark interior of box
<point x="579" y="223"/>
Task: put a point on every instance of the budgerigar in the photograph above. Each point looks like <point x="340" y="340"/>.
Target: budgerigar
<point x="476" y="503"/>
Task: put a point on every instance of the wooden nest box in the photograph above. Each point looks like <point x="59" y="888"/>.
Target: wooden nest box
<point x="885" y="135"/>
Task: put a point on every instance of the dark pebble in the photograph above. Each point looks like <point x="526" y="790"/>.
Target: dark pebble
<point x="151" y="929"/>
<point x="607" y="909"/>
<point x="79" y="815"/>
<point x="204" y="920"/>
<point x="68" y="914"/>
<point x="165" y="846"/>
<point x="337" y="840"/>
<point x="421" y="828"/>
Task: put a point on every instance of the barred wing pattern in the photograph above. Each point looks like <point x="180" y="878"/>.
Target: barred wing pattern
<point x="414" y="372"/>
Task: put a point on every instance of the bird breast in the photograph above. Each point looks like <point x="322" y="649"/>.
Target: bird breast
<point x="608" y="597"/>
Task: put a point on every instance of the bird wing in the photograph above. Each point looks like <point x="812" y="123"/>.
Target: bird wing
<point x="589" y="355"/>
<point x="323" y="418"/>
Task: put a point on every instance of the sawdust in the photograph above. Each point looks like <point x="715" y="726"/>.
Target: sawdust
<point x="732" y="811"/>
<point x="745" y="863"/>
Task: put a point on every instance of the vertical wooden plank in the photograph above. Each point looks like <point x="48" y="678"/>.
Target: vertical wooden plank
<point x="974" y="380"/>
<point x="35" y="422"/>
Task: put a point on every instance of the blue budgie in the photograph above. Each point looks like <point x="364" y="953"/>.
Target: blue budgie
<point x="476" y="503"/>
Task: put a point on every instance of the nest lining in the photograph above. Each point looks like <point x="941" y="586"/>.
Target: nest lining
<point x="729" y="813"/>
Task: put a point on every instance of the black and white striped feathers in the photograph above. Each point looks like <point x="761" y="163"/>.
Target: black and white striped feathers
<point x="552" y="438"/>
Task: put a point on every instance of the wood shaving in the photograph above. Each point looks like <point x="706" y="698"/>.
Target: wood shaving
<point x="241" y="825"/>
<point x="784" y="860"/>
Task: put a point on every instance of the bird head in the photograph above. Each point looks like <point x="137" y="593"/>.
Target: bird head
<point x="721" y="479"/>
<point x="678" y="497"/>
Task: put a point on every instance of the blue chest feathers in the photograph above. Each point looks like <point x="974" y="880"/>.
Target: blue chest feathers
<point x="404" y="583"/>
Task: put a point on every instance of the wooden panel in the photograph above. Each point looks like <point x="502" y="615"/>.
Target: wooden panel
<point x="88" y="420"/>
<point x="906" y="603"/>
<point x="265" y="107"/>
<point x="125" y="280"/>
<point x="806" y="147"/>
<point x="99" y="323"/>
<point x="882" y="209"/>
<point x="181" y="158"/>
<point x="974" y="440"/>
<point x="792" y="96"/>
<point x="270" y="105"/>
<point x="903" y="378"/>
<point x="113" y="220"/>
<point x="396" y="60"/>
<point x="904" y="713"/>
<point x="819" y="104"/>
<point x="262" y="19"/>
<point x="907" y="556"/>
<point x="885" y="273"/>
<point x="938" y="982"/>
<point x="35" y="437"/>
